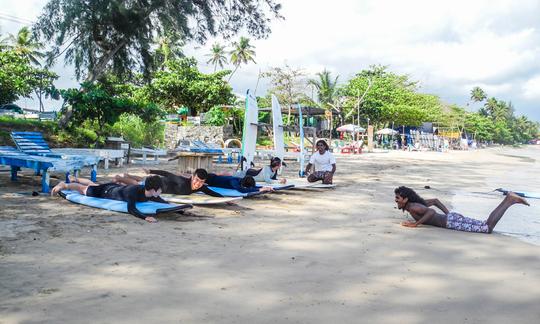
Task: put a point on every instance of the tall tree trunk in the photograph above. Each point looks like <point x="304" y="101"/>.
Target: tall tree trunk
<point x="230" y="76"/>
<point x="101" y="65"/>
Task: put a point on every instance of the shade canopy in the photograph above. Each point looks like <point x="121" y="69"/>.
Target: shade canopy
<point x="351" y="128"/>
<point x="386" y="131"/>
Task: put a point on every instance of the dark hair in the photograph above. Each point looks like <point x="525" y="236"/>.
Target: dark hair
<point x="326" y="147"/>
<point x="201" y="174"/>
<point x="247" y="182"/>
<point x="411" y="195"/>
<point x="275" y="161"/>
<point x="153" y="182"/>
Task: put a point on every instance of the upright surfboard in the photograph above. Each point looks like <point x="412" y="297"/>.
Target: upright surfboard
<point x="249" y="134"/>
<point x="277" y="125"/>
<point x="301" y="124"/>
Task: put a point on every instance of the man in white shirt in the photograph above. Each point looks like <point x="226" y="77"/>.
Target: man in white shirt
<point x="324" y="163"/>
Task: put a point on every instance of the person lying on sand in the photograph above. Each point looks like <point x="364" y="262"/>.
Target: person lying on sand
<point x="324" y="163"/>
<point x="266" y="174"/>
<point x="173" y="184"/>
<point x="408" y="200"/>
<point x="131" y="194"/>
<point x="245" y="185"/>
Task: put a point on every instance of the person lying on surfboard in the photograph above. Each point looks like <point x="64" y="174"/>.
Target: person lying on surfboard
<point x="408" y="200"/>
<point x="324" y="163"/>
<point x="174" y="184"/>
<point x="245" y="185"/>
<point x="131" y="194"/>
<point x="266" y="174"/>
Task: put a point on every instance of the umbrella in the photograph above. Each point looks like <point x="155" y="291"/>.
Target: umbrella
<point x="351" y="128"/>
<point x="386" y="131"/>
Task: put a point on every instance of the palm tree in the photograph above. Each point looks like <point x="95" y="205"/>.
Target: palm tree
<point x="242" y="53"/>
<point x="25" y="45"/>
<point x="326" y="87"/>
<point x="217" y="56"/>
<point x="478" y="95"/>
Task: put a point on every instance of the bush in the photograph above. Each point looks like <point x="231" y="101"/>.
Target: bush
<point x="133" y="129"/>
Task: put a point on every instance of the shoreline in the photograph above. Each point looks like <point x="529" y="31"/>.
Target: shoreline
<point x="307" y="257"/>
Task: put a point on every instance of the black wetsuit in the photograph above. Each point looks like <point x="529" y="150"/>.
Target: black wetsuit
<point x="131" y="194"/>
<point x="228" y="182"/>
<point x="178" y="185"/>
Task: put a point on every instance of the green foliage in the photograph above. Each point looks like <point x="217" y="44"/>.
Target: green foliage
<point x="243" y="52"/>
<point x="119" y="36"/>
<point x="102" y="105"/>
<point x="182" y="84"/>
<point x="215" y="116"/>
<point x="132" y="128"/>
<point x="18" y="78"/>
<point x="326" y="88"/>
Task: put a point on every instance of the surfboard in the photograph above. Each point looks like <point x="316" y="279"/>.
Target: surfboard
<point x="276" y="186"/>
<point x="304" y="184"/>
<point x="225" y="192"/>
<point x="148" y="207"/>
<point x="249" y="134"/>
<point x="199" y="199"/>
<point x="525" y="194"/>
<point x="277" y="126"/>
<point x="301" y="124"/>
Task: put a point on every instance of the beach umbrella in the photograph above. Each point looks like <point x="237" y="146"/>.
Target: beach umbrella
<point x="351" y="128"/>
<point x="386" y="131"/>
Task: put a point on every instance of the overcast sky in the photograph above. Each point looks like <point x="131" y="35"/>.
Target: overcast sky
<point x="448" y="46"/>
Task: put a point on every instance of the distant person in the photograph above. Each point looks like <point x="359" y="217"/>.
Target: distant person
<point x="324" y="163"/>
<point x="246" y="184"/>
<point x="267" y="174"/>
<point x="173" y="184"/>
<point x="131" y="194"/>
<point x="408" y="200"/>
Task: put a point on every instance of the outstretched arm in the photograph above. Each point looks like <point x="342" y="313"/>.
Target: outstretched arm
<point x="437" y="203"/>
<point x="421" y="214"/>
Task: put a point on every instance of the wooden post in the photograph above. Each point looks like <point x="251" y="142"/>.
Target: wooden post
<point x="370" y="138"/>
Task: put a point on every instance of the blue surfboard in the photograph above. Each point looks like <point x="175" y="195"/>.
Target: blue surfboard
<point x="525" y="194"/>
<point x="226" y="192"/>
<point x="147" y="208"/>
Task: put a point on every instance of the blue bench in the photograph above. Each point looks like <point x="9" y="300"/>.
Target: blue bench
<point x="40" y="164"/>
<point x="33" y="143"/>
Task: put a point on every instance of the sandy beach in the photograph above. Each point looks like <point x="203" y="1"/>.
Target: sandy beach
<point x="327" y="256"/>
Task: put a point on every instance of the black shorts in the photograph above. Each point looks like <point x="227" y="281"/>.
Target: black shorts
<point x="101" y="190"/>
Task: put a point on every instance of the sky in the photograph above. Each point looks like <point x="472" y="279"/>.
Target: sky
<point x="449" y="47"/>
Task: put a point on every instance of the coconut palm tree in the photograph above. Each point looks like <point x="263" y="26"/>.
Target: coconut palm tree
<point x="326" y="87"/>
<point x="242" y="53"/>
<point x="217" y="56"/>
<point x="25" y="45"/>
<point x="478" y="95"/>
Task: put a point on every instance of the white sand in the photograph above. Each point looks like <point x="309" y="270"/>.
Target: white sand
<point x="335" y="256"/>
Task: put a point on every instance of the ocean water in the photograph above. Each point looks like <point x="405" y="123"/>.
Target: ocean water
<point x="520" y="221"/>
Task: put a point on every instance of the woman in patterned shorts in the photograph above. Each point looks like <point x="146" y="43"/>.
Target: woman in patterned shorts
<point x="408" y="200"/>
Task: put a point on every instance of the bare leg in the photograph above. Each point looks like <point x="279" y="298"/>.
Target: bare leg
<point x="69" y="186"/>
<point x="82" y="181"/>
<point x="312" y="178"/>
<point x="125" y="180"/>
<point x="510" y="199"/>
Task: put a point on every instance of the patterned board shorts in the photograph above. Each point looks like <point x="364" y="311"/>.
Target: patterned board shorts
<point x="459" y="222"/>
<point x="322" y="175"/>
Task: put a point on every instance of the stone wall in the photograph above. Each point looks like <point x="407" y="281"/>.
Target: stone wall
<point x="175" y="133"/>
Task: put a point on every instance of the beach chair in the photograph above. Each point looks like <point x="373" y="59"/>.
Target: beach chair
<point x="33" y="143"/>
<point x="16" y="159"/>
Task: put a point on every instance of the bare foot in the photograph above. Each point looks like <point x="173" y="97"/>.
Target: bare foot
<point x="59" y="187"/>
<point x="517" y="199"/>
<point x="73" y="179"/>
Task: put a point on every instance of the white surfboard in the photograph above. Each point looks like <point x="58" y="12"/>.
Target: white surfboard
<point x="304" y="184"/>
<point x="198" y="199"/>
<point x="302" y="157"/>
<point x="249" y="134"/>
<point x="277" y="125"/>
